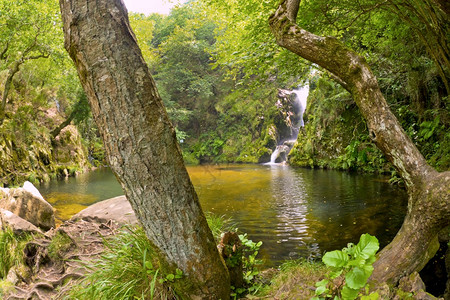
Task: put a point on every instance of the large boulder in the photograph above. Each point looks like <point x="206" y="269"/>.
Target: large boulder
<point x="116" y="209"/>
<point x="16" y="223"/>
<point x="28" y="203"/>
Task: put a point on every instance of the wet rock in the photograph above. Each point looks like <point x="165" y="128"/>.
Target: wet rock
<point x="28" y="203"/>
<point x="413" y="283"/>
<point x="413" y="287"/>
<point x="117" y="209"/>
<point x="16" y="223"/>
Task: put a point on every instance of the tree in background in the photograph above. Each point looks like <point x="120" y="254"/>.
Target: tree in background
<point x="35" y="94"/>
<point x="28" y="32"/>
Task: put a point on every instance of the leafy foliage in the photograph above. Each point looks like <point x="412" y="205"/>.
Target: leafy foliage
<point x="37" y="86"/>
<point x="128" y="269"/>
<point x="353" y="262"/>
<point x="11" y="250"/>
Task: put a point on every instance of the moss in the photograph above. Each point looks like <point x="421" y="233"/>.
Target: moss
<point x="11" y="250"/>
<point x="6" y="287"/>
<point x="60" y="245"/>
<point x="296" y="280"/>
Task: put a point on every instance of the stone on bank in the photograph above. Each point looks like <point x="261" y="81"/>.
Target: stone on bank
<point x="28" y="204"/>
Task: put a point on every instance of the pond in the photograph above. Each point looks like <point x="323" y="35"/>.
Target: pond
<point x="295" y="212"/>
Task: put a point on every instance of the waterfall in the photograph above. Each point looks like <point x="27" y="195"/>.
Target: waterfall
<point x="296" y="122"/>
<point x="301" y="94"/>
<point x="58" y="106"/>
<point x="274" y="155"/>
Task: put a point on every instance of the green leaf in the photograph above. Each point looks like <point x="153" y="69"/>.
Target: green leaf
<point x="323" y="282"/>
<point x="335" y="258"/>
<point x="321" y="290"/>
<point x="368" y="245"/>
<point x="170" y="277"/>
<point x="149" y="265"/>
<point x="335" y="274"/>
<point x="357" y="278"/>
<point x="357" y="262"/>
<point x="349" y="293"/>
<point x="371" y="296"/>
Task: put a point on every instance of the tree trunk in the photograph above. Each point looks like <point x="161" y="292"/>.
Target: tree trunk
<point x="428" y="190"/>
<point x="141" y="145"/>
<point x="55" y="132"/>
<point x="7" y="87"/>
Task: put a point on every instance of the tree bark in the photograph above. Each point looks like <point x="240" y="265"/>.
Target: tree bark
<point x="55" y="132"/>
<point x="428" y="190"/>
<point x="141" y="145"/>
<point x="12" y="71"/>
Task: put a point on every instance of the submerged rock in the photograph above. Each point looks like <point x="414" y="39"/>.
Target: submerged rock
<point x="28" y="204"/>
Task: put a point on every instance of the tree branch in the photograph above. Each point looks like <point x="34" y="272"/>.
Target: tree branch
<point x="3" y="53"/>
<point x="292" y="9"/>
<point x="355" y="75"/>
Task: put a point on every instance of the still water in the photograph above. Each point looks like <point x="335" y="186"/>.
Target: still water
<point x="295" y="212"/>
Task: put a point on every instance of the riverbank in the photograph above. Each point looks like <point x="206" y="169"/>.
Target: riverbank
<point x="296" y="212"/>
<point x="58" y="261"/>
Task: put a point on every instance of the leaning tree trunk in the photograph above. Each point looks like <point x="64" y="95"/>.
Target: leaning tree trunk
<point x="141" y="145"/>
<point x="428" y="204"/>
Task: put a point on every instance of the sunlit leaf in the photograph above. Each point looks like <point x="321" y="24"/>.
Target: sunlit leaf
<point x="335" y="258"/>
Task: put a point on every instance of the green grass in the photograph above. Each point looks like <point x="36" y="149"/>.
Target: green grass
<point x="11" y="250"/>
<point x="127" y="270"/>
<point x="219" y="225"/>
<point x="295" y="280"/>
<point x="60" y="244"/>
<point x="124" y="271"/>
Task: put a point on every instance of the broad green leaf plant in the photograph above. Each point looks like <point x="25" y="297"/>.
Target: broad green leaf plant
<point x="354" y="263"/>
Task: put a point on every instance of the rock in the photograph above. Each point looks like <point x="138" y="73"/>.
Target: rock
<point x="413" y="283"/>
<point x="16" y="223"/>
<point x="117" y="209"/>
<point x="230" y="248"/>
<point x="28" y="203"/>
<point x="422" y="295"/>
<point x="413" y="286"/>
<point x="12" y="276"/>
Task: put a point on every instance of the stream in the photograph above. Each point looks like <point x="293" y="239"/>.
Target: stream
<point x="295" y="212"/>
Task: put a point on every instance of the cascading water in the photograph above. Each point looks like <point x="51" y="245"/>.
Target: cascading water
<point x="274" y="155"/>
<point x="298" y="99"/>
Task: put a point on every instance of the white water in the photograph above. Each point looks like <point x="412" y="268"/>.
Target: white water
<point x="301" y="100"/>
<point x="274" y="155"/>
<point x="299" y="103"/>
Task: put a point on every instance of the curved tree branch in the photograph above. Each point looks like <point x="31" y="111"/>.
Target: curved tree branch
<point x="356" y="76"/>
<point x="429" y="203"/>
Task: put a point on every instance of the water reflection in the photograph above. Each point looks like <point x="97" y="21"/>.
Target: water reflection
<point x="295" y="212"/>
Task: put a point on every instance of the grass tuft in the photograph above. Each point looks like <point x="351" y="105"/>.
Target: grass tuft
<point x="296" y="280"/>
<point x="219" y="225"/>
<point x="11" y="250"/>
<point x="126" y="270"/>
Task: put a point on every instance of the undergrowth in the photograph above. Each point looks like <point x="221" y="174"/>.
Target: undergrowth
<point x="122" y="271"/>
<point x="11" y="250"/>
<point x="295" y="279"/>
<point x="128" y="269"/>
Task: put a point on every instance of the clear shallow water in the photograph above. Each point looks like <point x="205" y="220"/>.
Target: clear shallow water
<point x="295" y="212"/>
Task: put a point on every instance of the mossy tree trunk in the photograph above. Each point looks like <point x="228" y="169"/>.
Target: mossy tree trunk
<point x="141" y="145"/>
<point x="428" y="190"/>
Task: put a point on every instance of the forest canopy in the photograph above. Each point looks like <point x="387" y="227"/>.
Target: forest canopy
<point x="219" y="81"/>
